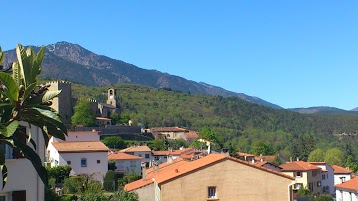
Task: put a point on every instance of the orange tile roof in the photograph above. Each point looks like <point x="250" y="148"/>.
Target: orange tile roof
<point x="168" y="129"/>
<point x="340" y="170"/>
<point x="349" y="185"/>
<point x="160" y="153"/>
<point x="103" y="118"/>
<point x="172" y="171"/>
<point x="73" y="147"/>
<point x="177" y="152"/>
<point x="318" y="163"/>
<point x="243" y="154"/>
<point x="265" y="158"/>
<point x="136" y="149"/>
<point x="123" y="156"/>
<point x="191" y="135"/>
<point x="298" y="166"/>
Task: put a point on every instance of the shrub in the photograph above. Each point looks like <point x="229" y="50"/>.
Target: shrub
<point x="109" y="183"/>
<point x="59" y="173"/>
<point x="73" y="184"/>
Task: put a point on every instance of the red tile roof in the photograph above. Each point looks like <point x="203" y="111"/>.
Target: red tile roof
<point x="73" y="147"/>
<point x="191" y="135"/>
<point x="123" y="156"/>
<point x="180" y="168"/>
<point x="340" y="170"/>
<point x="168" y="129"/>
<point x="265" y="158"/>
<point x="244" y="154"/>
<point x="349" y="185"/>
<point x="298" y="166"/>
<point x="136" y="149"/>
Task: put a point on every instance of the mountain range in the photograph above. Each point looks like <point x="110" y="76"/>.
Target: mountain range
<point x="71" y="62"/>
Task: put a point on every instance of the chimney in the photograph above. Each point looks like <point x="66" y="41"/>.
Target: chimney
<point x="169" y="159"/>
<point x="261" y="159"/>
<point x="298" y="159"/>
<point x="290" y="159"/>
<point x="253" y="161"/>
<point x="144" y="171"/>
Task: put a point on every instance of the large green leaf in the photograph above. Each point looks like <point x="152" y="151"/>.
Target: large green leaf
<point x="28" y="91"/>
<point x="36" y="63"/>
<point x="25" y="64"/>
<point x="10" y="129"/>
<point x="11" y="90"/>
<point x="49" y="95"/>
<point x="2" y="56"/>
<point x="16" y="74"/>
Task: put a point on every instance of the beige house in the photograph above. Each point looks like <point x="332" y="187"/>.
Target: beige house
<point x="175" y="133"/>
<point x="213" y="177"/>
<point x="306" y="174"/>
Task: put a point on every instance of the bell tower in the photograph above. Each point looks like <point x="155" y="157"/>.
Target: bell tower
<point x="111" y="99"/>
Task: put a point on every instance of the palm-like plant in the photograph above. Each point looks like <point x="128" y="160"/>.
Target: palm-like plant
<point x="22" y="99"/>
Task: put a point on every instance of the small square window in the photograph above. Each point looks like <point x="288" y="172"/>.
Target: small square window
<point x="298" y="174"/>
<point x="212" y="192"/>
<point x="98" y="161"/>
<point x="146" y="155"/>
<point x="68" y="162"/>
<point x="83" y="162"/>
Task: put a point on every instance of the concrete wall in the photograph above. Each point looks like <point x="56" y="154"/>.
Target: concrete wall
<point x="82" y="136"/>
<point x="342" y="195"/>
<point x="337" y="178"/>
<point x="22" y="175"/>
<point x="234" y="181"/>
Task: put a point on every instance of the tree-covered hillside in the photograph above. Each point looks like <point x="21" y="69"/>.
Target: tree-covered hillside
<point x="239" y="123"/>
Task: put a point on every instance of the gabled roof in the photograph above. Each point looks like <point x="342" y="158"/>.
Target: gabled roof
<point x="265" y="158"/>
<point x="191" y="135"/>
<point x="172" y="171"/>
<point x="136" y="149"/>
<point x="340" y="170"/>
<point x="244" y="154"/>
<point x="168" y="129"/>
<point x="123" y="156"/>
<point x="349" y="185"/>
<point x="298" y="166"/>
<point x="74" y="147"/>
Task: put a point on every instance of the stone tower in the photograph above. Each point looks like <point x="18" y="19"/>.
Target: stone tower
<point x="111" y="97"/>
<point x="63" y="104"/>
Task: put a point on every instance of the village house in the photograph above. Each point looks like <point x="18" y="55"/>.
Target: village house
<point x="174" y="133"/>
<point x="327" y="177"/>
<point x="306" y="174"/>
<point x="162" y="156"/>
<point x="23" y="182"/>
<point x="83" y="151"/>
<point x="212" y="177"/>
<point x="341" y="174"/>
<point x="140" y="151"/>
<point x="126" y="163"/>
<point x="347" y="191"/>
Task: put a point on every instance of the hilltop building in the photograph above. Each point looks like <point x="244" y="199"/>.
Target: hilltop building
<point x="65" y="103"/>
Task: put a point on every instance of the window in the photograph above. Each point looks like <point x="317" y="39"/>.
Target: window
<point x="140" y="155"/>
<point x="68" y="162"/>
<point x="83" y="162"/>
<point x="7" y="150"/>
<point x="298" y="174"/>
<point x="298" y="185"/>
<point x="98" y="161"/>
<point x="343" y="179"/>
<point x="212" y="192"/>
<point x="314" y="173"/>
<point x="2" y="197"/>
<point x="146" y="155"/>
<point x="323" y="176"/>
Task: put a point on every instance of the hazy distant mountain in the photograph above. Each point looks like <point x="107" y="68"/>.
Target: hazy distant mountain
<point x="354" y="110"/>
<point x="74" y="63"/>
<point x="325" y="111"/>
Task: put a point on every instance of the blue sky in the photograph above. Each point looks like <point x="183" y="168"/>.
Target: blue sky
<point x="291" y="53"/>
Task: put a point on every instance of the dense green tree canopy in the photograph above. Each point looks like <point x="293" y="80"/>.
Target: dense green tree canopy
<point x="84" y="114"/>
<point x="316" y="155"/>
<point x="114" y="142"/>
<point x="334" y="156"/>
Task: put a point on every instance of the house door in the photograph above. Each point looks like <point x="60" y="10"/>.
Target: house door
<point x="19" y="196"/>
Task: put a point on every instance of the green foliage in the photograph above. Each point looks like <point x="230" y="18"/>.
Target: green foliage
<point x="124" y="196"/>
<point x="83" y="114"/>
<point x="59" y="173"/>
<point x="23" y="99"/>
<point x="73" y="184"/>
<point x="234" y="120"/>
<point x="126" y="179"/>
<point x="316" y="155"/>
<point x="109" y="183"/>
<point x="112" y="165"/>
<point x="323" y="197"/>
<point x="198" y="144"/>
<point x="158" y="144"/>
<point x="304" y="192"/>
<point x="120" y="119"/>
<point x="114" y="142"/>
<point x="177" y="144"/>
<point x="352" y="164"/>
<point x="260" y="147"/>
<point x="50" y="195"/>
<point x="334" y="156"/>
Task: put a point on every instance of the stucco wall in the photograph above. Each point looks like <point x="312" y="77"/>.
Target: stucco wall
<point x="146" y="193"/>
<point x="23" y="176"/>
<point x="97" y="169"/>
<point x="337" y="178"/>
<point x="234" y="181"/>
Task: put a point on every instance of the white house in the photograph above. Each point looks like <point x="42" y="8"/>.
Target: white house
<point x="126" y="163"/>
<point x="327" y="180"/>
<point x="141" y="151"/>
<point x="347" y="191"/>
<point x="23" y="182"/>
<point x="82" y="151"/>
<point x="341" y="174"/>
